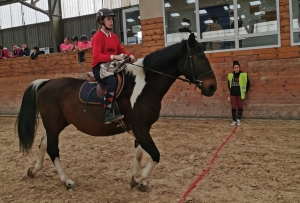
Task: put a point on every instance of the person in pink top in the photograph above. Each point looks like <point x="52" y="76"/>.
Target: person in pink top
<point x="66" y="46"/>
<point x="84" y="44"/>
<point x="75" y="42"/>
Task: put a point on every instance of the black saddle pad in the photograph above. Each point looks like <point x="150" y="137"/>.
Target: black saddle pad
<point x="87" y="93"/>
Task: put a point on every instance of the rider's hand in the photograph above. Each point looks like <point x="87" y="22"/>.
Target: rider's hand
<point x="132" y="59"/>
<point x="119" y="57"/>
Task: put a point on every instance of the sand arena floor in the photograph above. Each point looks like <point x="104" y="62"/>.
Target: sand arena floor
<point x="260" y="163"/>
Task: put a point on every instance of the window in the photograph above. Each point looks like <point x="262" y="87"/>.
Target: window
<point x="132" y="26"/>
<point x="295" y="21"/>
<point x="226" y="24"/>
<point x="180" y="19"/>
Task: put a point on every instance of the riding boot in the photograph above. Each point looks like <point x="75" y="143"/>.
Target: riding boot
<point x="109" y="116"/>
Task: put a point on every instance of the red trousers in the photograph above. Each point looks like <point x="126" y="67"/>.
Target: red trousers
<point x="236" y="102"/>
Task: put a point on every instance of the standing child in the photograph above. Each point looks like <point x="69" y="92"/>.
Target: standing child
<point x="238" y="84"/>
<point x="83" y="46"/>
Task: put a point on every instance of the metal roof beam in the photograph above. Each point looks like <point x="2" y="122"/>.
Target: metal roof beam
<point x="32" y="6"/>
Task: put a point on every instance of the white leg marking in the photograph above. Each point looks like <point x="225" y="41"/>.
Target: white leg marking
<point x="139" y="80"/>
<point x="62" y="174"/>
<point x="39" y="163"/>
<point x="145" y="172"/>
<point x="138" y="155"/>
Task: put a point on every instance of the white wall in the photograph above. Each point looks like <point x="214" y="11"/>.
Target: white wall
<point x="151" y="9"/>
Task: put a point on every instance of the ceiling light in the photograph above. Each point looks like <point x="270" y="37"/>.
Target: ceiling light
<point x="254" y="3"/>
<point x="168" y="5"/>
<point x="190" y="1"/>
<point x="138" y="17"/>
<point x="231" y="6"/>
<point x="208" y="21"/>
<point x="232" y="18"/>
<point x="130" y="20"/>
<point x="226" y="8"/>
<point x="175" y="14"/>
<point x="202" y="11"/>
<point x="185" y="24"/>
<point x="259" y="13"/>
<point x="139" y="34"/>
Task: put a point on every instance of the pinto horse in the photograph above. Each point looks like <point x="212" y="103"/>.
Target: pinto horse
<point x="146" y="83"/>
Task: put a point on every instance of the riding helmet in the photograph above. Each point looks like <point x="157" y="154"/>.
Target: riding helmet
<point x="73" y="38"/>
<point x="103" y="12"/>
<point x="83" y="37"/>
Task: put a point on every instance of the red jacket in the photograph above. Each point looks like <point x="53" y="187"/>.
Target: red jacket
<point x="4" y="53"/>
<point x="15" y="53"/>
<point x="104" y="47"/>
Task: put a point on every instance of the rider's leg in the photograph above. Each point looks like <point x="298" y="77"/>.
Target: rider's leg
<point x="109" y="93"/>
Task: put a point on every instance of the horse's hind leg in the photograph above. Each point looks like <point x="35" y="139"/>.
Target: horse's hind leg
<point x="53" y="151"/>
<point x="39" y="163"/>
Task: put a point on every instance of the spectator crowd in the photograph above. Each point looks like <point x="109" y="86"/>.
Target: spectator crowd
<point x="75" y="45"/>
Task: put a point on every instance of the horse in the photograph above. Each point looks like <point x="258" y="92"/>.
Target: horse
<point x="146" y="83"/>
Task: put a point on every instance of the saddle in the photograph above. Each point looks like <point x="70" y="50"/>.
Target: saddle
<point x="92" y="92"/>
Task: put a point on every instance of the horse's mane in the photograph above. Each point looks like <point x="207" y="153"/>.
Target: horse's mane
<point x="164" y="57"/>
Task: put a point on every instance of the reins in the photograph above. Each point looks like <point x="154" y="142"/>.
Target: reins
<point x="171" y="76"/>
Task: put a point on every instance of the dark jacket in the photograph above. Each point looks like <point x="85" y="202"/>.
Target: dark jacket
<point x="26" y="52"/>
<point x="34" y="55"/>
<point x="235" y="88"/>
<point x="184" y="29"/>
<point x="240" y="24"/>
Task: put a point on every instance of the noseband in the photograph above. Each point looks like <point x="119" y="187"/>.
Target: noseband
<point x="197" y="82"/>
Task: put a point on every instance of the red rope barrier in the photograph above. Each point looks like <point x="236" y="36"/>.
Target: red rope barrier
<point x="208" y="168"/>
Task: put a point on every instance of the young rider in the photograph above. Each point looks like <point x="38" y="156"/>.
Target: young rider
<point x="106" y="47"/>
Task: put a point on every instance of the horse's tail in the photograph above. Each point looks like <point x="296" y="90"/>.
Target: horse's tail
<point x="26" y="122"/>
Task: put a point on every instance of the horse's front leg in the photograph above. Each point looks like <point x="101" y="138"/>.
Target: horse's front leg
<point x="138" y="155"/>
<point x="143" y="142"/>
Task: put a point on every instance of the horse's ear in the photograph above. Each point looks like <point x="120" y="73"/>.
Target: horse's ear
<point x="192" y="40"/>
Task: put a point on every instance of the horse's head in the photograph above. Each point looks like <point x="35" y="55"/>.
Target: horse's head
<point x="195" y="66"/>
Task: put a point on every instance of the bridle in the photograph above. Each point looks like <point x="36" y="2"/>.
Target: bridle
<point x="197" y="82"/>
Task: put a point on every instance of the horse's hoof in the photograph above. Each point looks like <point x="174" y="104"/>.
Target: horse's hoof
<point x="133" y="183"/>
<point x="29" y="173"/>
<point x="143" y="188"/>
<point x="74" y="186"/>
